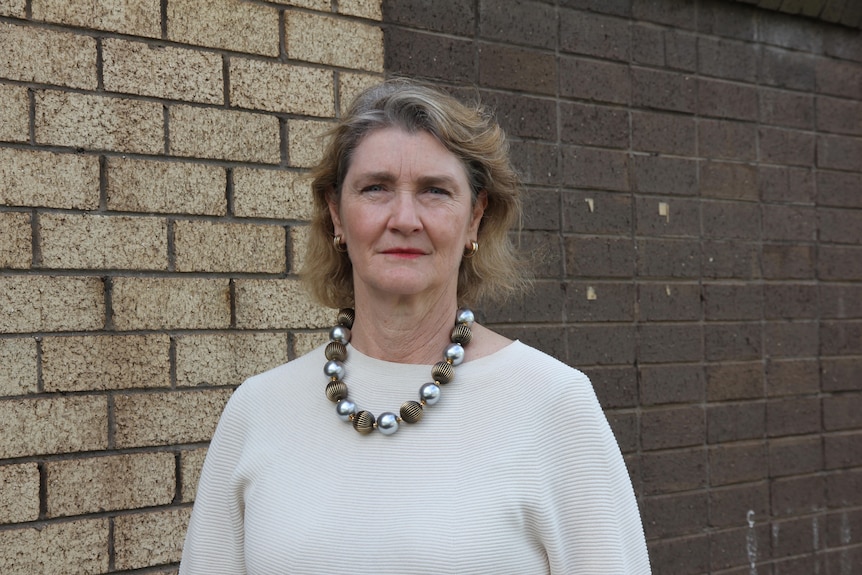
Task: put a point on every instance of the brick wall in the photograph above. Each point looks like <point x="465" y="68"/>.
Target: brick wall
<point x="694" y="174"/>
<point x="694" y="203"/>
<point x="152" y="216"/>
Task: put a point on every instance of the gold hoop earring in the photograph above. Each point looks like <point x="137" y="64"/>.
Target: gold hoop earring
<point x="339" y="247"/>
<point x="471" y="251"/>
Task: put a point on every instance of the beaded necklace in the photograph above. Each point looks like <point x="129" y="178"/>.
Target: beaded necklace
<point x="411" y="411"/>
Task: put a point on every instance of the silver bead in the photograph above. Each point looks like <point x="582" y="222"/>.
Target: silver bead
<point x="465" y="316"/>
<point x="387" y="423"/>
<point x="334" y="368"/>
<point x="345" y="408"/>
<point x="454" y="354"/>
<point x="429" y="393"/>
<point x="340" y="333"/>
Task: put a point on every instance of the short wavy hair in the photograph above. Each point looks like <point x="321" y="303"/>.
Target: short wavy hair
<point x="470" y="133"/>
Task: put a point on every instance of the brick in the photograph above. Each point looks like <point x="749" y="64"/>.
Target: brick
<point x="303" y="147"/>
<point x="363" y="8"/>
<point x="154" y="538"/>
<point x="790" y="301"/>
<point x="792" y="377"/>
<point x="594" y="212"/>
<point x="673" y="471"/>
<point x="669" y="302"/>
<point x="415" y="54"/>
<point x="738" y="548"/>
<point x="224" y="134"/>
<point x="230" y="25"/>
<point x="676" y="14"/>
<point x="53" y="425"/>
<point x="838" y="78"/>
<point x="13" y="8"/>
<point x="517" y="68"/>
<point x="227" y="359"/>
<point x="277" y="87"/>
<point x="789" y="109"/>
<point x="788" y="147"/>
<point x="841" y="337"/>
<point x="839" y="116"/>
<point x="133" y="17"/>
<point x="304" y="342"/>
<point x="663" y="90"/>
<point x="664" y="133"/>
<point x="616" y="387"/>
<point x="20" y="375"/>
<point x="591" y="125"/>
<point x="351" y="85"/>
<point x="662" y="384"/>
<point x="789" y="223"/>
<point x="840" y="525"/>
<point x="191" y="462"/>
<point x="841" y="301"/>
<point x="529" y="23"/>
<point x="68" y="548"/>
<point x="14" y="114"/>
<point x="536" y="162"/>
<point x="668" y="258"/>
<point x="790" y="339"/>
<point x="786" y="184"/>
<point x="839" y="263"/>
<point x="546" y="303"/>
<point x="44" y="303"/>
<point x="665" y="343"/>
<point x="320" y="5"/>
<point x="678" y="514"/>
<point x="596" y="81"/>
<point x="680" y="50"/>
<point x="170" y="303"/>
<point x="542" y="209"/>
<point x="105" y="362"/>
<point x="166" y="187"/>
<point x="728" y="180"/>
<point x="647" y="45"/>
<point x="592" y="168"/>
<point x="839" y="189"/>
<point x="103" y="242"/>
<point x="736" y="421"/>
<point x="731" y="220"/>
<point x="792" y="416"/>
<point x="727" y="381"/>
<point x="840" y="374"/>
<point x="842" y="411"/>
<point x="839" y="559"/>
<point x="727" y="140"/>
<point x="840" y="226"/>
<point x="667" y="217"/>
<point x="113" y="482"/>
<point x="625" y="429"/>
<point x="738" y="504"/>
<point x="162" y="71"/>
<point x="680" y="555"/>
<point x="99" y="122"/>
<point x="277" y="304"/>
<point x="798" y="495"/>
<point x="668" y="427"/>
<point x="202" y="246"/>
<point x="16" y="250"/>
<point x="145" y="419"/>
<point x="733" y="341"/>
<point x="601" y="345"/>
<point x="276" y="194"/>
<point x="738" y="463"/>
<point x="600" y="301"/>
<point x="49" y="180"/>
<point x="522" y="116"/>
<point x="592" y="35"/>
<point x="840" y="153"/>
<point x="456" y="17"/>
<point x="298" y="246"/>
<point x="786" y="261"/>
<point x="786" y="69"/>
<point x="599" y="257"/>
<point x="727" y="59"/>
<point x="333" y="41"/>
<point x="795" y="456"/>
<point x="666" y="176"/>
<point x="45" y="56"/>
<point x="19" y="499"/>
<point x="844" y="488"/>
<point x="733" y="301"/>
<point x="844" y="45"/>
<point x="721" y="99"/>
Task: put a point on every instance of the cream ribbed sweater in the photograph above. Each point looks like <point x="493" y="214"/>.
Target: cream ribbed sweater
<point x="513" y="471"/>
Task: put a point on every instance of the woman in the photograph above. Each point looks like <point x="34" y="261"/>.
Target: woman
<point x="509" y="469"/>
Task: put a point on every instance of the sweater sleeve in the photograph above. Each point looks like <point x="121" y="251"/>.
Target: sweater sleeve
<point x="592" y="524"/>
<point x="214" y="541"/>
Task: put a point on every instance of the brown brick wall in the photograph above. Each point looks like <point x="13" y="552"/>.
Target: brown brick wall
<point x="694" y="175"/>
<point x="152" y="217"/>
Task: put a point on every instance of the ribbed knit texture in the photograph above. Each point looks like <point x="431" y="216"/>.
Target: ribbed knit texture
<point x="514" y="471"/>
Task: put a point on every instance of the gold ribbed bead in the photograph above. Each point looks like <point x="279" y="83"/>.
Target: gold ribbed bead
<point x="336" y="390"/>
<point x="411" y="411"/>
<point x="442" y="372"/>
<point x="363" y="422"/>
<point x="336" y="350"/>
<point x="346" y="317"/>
<point x="461" y="334"/>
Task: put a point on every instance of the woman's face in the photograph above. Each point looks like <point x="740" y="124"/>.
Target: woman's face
<point x="406" y="215"/>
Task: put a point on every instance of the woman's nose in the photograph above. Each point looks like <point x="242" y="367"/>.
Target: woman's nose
<point x="405" y="213"/>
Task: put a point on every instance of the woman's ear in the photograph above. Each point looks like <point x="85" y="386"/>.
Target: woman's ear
<point x="478" y="211"/>
<point x="332" y="202"/>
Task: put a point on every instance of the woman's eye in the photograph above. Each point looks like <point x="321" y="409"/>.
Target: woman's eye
<point x="438" y="191"/>
<point x="373" y="188"/>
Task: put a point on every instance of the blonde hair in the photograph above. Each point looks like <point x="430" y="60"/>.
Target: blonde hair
<point x="472" y="135"/>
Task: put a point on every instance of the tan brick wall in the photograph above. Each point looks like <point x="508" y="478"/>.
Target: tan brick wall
<point x="153" y="211"/>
